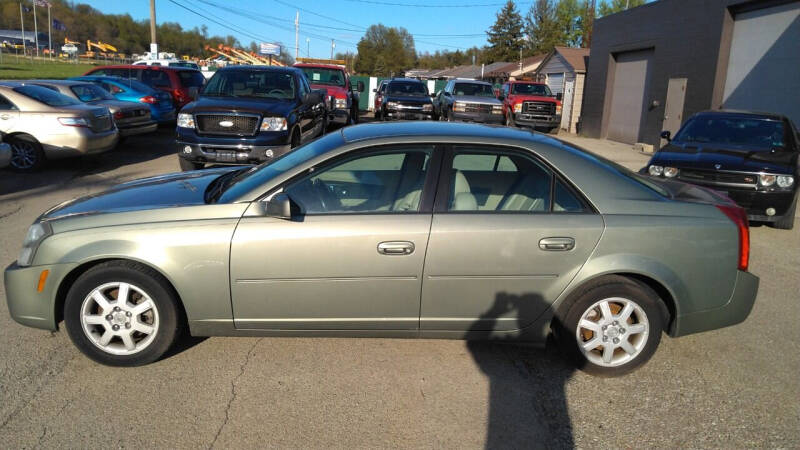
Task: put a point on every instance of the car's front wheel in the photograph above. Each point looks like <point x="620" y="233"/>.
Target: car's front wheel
<point x="122" y="313"/>
<point x="611" y="328"/>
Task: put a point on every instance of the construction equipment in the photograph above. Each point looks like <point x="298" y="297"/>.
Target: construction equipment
<point x="104" y="50"/>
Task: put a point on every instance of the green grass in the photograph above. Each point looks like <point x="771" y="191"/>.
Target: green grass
<point x="10" y="69"/>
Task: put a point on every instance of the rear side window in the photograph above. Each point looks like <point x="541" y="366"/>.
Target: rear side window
<point x="191" y="78"/>
<point x="154" y="78"/>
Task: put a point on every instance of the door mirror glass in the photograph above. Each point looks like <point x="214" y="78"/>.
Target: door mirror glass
<point x="559" y="96"/>
<point x="279" y="206"/>
<point x="666" y="135"/>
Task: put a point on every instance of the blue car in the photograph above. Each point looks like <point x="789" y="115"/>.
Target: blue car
<point x="162" y="110"/>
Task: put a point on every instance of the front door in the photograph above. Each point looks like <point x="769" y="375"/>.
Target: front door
<point x="352" y="258"/>
<point x="673" y="109"/>
<point x="505" y="242"/>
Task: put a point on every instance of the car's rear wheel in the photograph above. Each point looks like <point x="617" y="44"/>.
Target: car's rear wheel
<point x="26" y="153"/>
<point x="122" y="313"/>
<point x="612" y="328"/>
<point x="187" y="165"/>
<point x="787" y="221"/>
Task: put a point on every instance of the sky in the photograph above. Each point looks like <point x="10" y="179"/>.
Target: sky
<point x="322" y="20"/>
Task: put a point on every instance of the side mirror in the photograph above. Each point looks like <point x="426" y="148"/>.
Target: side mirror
<point x="559" y="96"/>
<point x="666" y="135"/>
<point x="312" y="97"/>
<point x="279" y="206"/>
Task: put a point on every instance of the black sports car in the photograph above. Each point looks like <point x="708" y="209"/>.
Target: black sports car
<point x="751" y="157"/>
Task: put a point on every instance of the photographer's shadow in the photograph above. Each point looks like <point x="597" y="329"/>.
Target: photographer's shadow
<point x="527" y="402"/>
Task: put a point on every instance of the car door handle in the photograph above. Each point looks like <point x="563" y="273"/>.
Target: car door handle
<point x="396" y="248"/>
<point x="5" y="117"/>
<point x="557" y="244"/>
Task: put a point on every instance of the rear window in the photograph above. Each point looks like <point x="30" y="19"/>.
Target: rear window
<point x="191" y="78"/>
<point x="46" y="96"/>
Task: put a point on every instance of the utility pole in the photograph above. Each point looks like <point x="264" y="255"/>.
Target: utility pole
<point x="22" y="22"/>
<point x="308" y="48"/>
<point x="297" y="34"/>
<point x="590" y="24"/>
<point x="153" y="42"/>
<point x="333" y="46"/>
<point x="49" y="32"/>
<point x="35" y="29"/>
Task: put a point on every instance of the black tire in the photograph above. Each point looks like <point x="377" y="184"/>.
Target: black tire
<point x="787" y="221"/>
<point x="354" y="119"/>
<point x="26" y="153"/>
<point x="167" y="315"/>
<point x="187" y="165"/>
<point x="614" y="290"/>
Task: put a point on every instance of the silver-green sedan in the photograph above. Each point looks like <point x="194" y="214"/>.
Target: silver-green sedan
<point x="432" y="230"/>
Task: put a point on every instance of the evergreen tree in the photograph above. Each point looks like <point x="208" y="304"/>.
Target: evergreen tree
<point x="541" y="26"/>
<point x="505" y="36"/>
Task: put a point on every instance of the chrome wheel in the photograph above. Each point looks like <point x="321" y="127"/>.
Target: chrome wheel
<point x="23" y="154"/>
<point x="612" y="332"/>
<point x="119" y="318"/>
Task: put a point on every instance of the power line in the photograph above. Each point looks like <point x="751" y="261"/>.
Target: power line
<point x="229" y="27"/>
<point x="424" y="5"/>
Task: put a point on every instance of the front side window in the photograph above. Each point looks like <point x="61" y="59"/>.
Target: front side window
<point x="387" y="182"/>
<point x="482" y="180"/>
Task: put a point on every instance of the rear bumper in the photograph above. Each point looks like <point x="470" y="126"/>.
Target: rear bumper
<point x="79" y="141"/>
<point x="133" y="130"/>
<point x="26" y="304"/>
<point x="735" y="311"/>
<point x="477" y="117"/>
<point x="537" y="120"/>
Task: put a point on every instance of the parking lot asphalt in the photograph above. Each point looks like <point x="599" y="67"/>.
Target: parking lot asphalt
<point x="731" y="388"/>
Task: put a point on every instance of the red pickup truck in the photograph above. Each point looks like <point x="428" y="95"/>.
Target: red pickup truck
<point x="530" y="104"/>
<point x="342" y="95"/>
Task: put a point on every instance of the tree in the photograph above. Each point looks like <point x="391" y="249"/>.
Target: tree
<point x="385" y="51"/>
<point x="505" y="36"/>
<point x="541" y="26"/>
<point x="616" y="6"/>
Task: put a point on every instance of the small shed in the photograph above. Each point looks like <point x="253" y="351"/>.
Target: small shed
<point x="564" y="71"/>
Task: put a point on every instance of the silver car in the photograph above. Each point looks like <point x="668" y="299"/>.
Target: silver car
<point x="40" y="124"/>
<point x="417" y="230"/>
<point x="131" y="118"/>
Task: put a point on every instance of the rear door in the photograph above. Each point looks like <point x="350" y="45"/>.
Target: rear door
<point x="508" y="234"/>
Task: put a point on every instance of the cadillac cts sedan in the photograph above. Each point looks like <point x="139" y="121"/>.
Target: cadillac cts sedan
<point x="434" y="230"/>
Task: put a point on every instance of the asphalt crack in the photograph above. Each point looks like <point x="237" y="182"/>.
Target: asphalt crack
<point x="233" y="392"/>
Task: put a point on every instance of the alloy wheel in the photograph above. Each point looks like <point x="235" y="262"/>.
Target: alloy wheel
<point x="119" y="318"/>
<point x="612" y="332"/>
<point x="23" y="154"/>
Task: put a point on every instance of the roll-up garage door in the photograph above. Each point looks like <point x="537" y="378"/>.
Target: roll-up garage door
<point x="764" y="65"/>
<point x="555" y="81"/>
<point x="631" y="75"/>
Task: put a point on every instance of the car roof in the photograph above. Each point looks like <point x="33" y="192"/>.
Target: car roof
<point x="141" y="67"/>
<point x="439" y="129"/>
<point x="58" y="82"/>
<point x="466" y="81"/>
<point x="319" y="66"/>
<point x="406" y="80"/>
<point x="741" y="113"/>
<point x="525" y="82"/>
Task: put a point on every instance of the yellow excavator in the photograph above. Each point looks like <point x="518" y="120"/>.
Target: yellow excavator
<point x="104" y="50"/>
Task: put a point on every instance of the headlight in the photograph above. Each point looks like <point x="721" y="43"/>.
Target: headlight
<point x="460" y="107"/>
<point x="73" y="121"/>
<point x="391" y="105"/>
<point x="273" y="124"/>
<point x="341" y="103"/>
<point x="558" y="109"/>
<point x="36" y="234"/>
<point x="671" y="172"/>
<point x="497" y="109"/>
<point x="427" y="108"/>
<point x="785" y="181"/>
<point x="767" y="180"/>
<point x="517" y="107"/>
<point x="185" y="120"/>
<point x="656" y="171"/>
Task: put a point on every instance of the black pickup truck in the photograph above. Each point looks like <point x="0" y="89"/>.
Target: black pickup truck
<point x="248" y="115"/>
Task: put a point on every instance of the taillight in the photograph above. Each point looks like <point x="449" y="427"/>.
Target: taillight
<point x="149" y="99"/>
<point x="119" y="115"/>
<point x="739" y="218"/>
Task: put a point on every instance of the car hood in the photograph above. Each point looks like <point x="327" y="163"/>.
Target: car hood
<point x="532" y="98"/>
<point x="422" y="100"/>
<point x="239" y="105"/>
<point x="708" y="156"/>
<point x="477" y="99"/>
<point x="176" y="189"/>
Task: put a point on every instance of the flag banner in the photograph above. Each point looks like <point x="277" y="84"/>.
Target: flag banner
<point x="58" y="25"/>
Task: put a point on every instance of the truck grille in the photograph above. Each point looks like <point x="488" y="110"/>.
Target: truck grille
<point x="539" y="107"/>
<point x="241" y="125"/>
<point x="712" y="177"/>
<point x="409" y="105"/>
<point x="477" y="108"/>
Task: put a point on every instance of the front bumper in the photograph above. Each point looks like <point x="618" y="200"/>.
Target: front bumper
<point x="395" y="114"/>
<point x="339" y="116"/>
<point x="477" y="117"/>
<point x="77" y="141"/>
<point x="537" y="120"/>
<point x="140" y="128"/>
<point x="756" y="203"/>
<point x="26" y="304"/>
<point x="231" y="150"/>
<point x="5" y="155"/>
<point x="735" y="311"/>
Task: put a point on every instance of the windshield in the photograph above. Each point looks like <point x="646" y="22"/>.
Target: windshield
<point x="46" y="96"/>
<point x="754" y="133"/>
<point x="251" y="83"/>
<point x="330" y="77"/>
<point x="90" y="93"/>
<point x="409" y="88"/>
<point x="476" y="89"/>
<point x="252" y="178"/>
<point x="531" y="89"/>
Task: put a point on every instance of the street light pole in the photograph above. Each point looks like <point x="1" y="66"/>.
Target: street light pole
<point x="153" y="42"/>
<point x="333" y="46"/>
<point x="308" y="48"/>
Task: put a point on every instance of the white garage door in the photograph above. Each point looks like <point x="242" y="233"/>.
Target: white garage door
<point x="555" y="81"/>
<point x="764" y="65"/>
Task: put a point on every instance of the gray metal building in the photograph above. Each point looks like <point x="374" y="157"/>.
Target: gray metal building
<point x="654" y="65"/>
